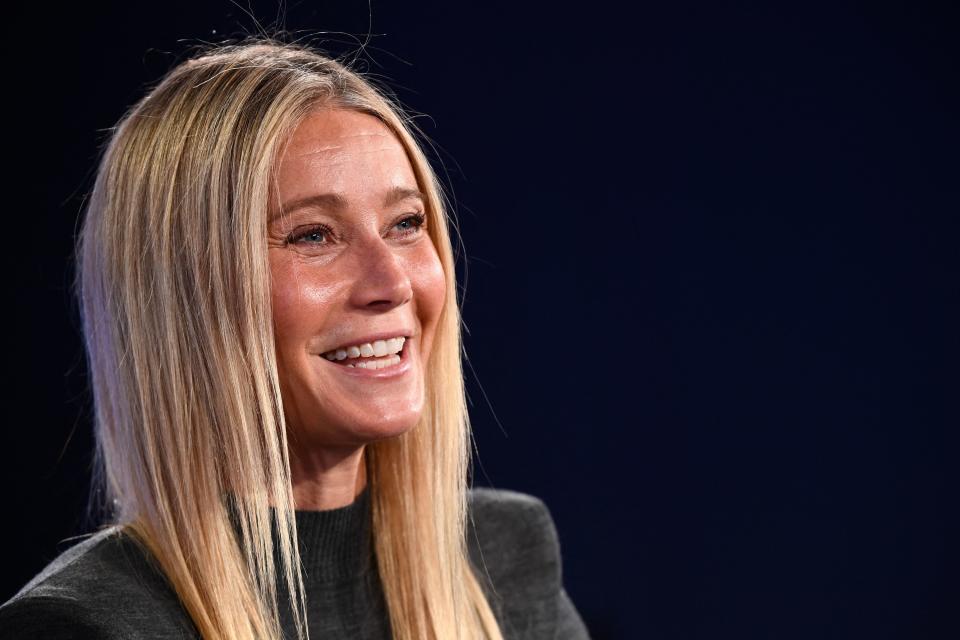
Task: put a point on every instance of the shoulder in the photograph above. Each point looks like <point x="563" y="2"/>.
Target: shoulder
<point x="513" y="542"/>
<point x="104" y="587"/>
<point x="515" y="551"/>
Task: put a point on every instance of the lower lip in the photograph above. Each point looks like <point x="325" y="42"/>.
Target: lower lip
<point x="392" y="371"/>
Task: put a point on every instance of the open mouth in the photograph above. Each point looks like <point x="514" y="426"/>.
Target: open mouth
<point x="370" y="355"/>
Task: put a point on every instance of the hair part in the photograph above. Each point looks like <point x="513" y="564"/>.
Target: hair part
<point x="192" y="451"/>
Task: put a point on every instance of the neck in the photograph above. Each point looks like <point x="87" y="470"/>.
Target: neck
<point x="327" y="478"/>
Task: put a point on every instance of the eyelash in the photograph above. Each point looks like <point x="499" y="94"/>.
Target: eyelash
<point x="419" y="219"/>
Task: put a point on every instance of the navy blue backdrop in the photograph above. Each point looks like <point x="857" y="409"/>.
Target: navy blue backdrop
<point x="711" y="287"/>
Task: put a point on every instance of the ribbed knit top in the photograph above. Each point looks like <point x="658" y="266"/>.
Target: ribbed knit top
<point x="336" y="544"/>
<point x="344" y="594"/>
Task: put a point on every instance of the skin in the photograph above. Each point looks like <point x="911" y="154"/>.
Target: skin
<point x="371" y="270"/>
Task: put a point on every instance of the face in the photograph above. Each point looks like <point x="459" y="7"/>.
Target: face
<point x="357" y="284"/>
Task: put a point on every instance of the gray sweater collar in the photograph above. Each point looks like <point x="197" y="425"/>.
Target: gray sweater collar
<point x="335" y="544"/>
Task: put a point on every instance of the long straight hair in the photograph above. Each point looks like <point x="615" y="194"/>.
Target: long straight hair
<point x="175" y="303"/>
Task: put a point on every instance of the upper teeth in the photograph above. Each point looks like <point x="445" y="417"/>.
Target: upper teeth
<point x="375" y="349"/>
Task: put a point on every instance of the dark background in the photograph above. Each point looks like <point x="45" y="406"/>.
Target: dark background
<point x="713" y="291"/>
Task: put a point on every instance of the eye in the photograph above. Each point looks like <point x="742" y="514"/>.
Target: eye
<point x="315" y="235"/>
<point x="412" y="224"/>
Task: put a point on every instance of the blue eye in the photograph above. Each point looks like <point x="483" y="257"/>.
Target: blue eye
<point x="412" y="224"/>
<point x="312" y="235"/>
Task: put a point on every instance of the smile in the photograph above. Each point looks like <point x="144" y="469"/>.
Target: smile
<point x="379" y="354"/>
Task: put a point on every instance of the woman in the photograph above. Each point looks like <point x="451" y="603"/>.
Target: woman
<point x="269" y="308"/>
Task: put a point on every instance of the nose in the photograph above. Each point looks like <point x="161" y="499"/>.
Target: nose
<point x="382" y="281"/>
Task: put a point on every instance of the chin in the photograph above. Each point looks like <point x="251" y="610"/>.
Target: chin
<point x="365" y="434"/>
<point x="357" y="430"/>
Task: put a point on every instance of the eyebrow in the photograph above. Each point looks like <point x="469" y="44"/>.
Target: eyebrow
<point x="337" y="202"/>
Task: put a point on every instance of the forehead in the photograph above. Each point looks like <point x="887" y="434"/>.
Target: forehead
<point x="345" y="157"/>
<point x="351" y="157"/>
<point x="331" y="129"/>
<point x="334" y="148"/>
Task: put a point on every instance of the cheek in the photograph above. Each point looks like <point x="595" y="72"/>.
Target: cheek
<point x="436" y="287"/>
<point x="300" y="301"/>
<point x="287" y="302"/>
<point x="430" y="283"/>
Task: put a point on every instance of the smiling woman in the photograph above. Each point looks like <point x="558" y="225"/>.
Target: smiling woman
<point x="354" y="272"/>
<point x="270" y="315"/>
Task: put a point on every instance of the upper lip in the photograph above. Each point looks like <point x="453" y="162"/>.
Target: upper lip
<point x="371" y="338"/>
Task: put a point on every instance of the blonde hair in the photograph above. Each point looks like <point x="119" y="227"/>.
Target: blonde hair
<point x="174" y="290"/>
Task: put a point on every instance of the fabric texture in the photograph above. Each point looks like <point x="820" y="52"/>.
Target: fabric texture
<point x="109" y="588"/>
